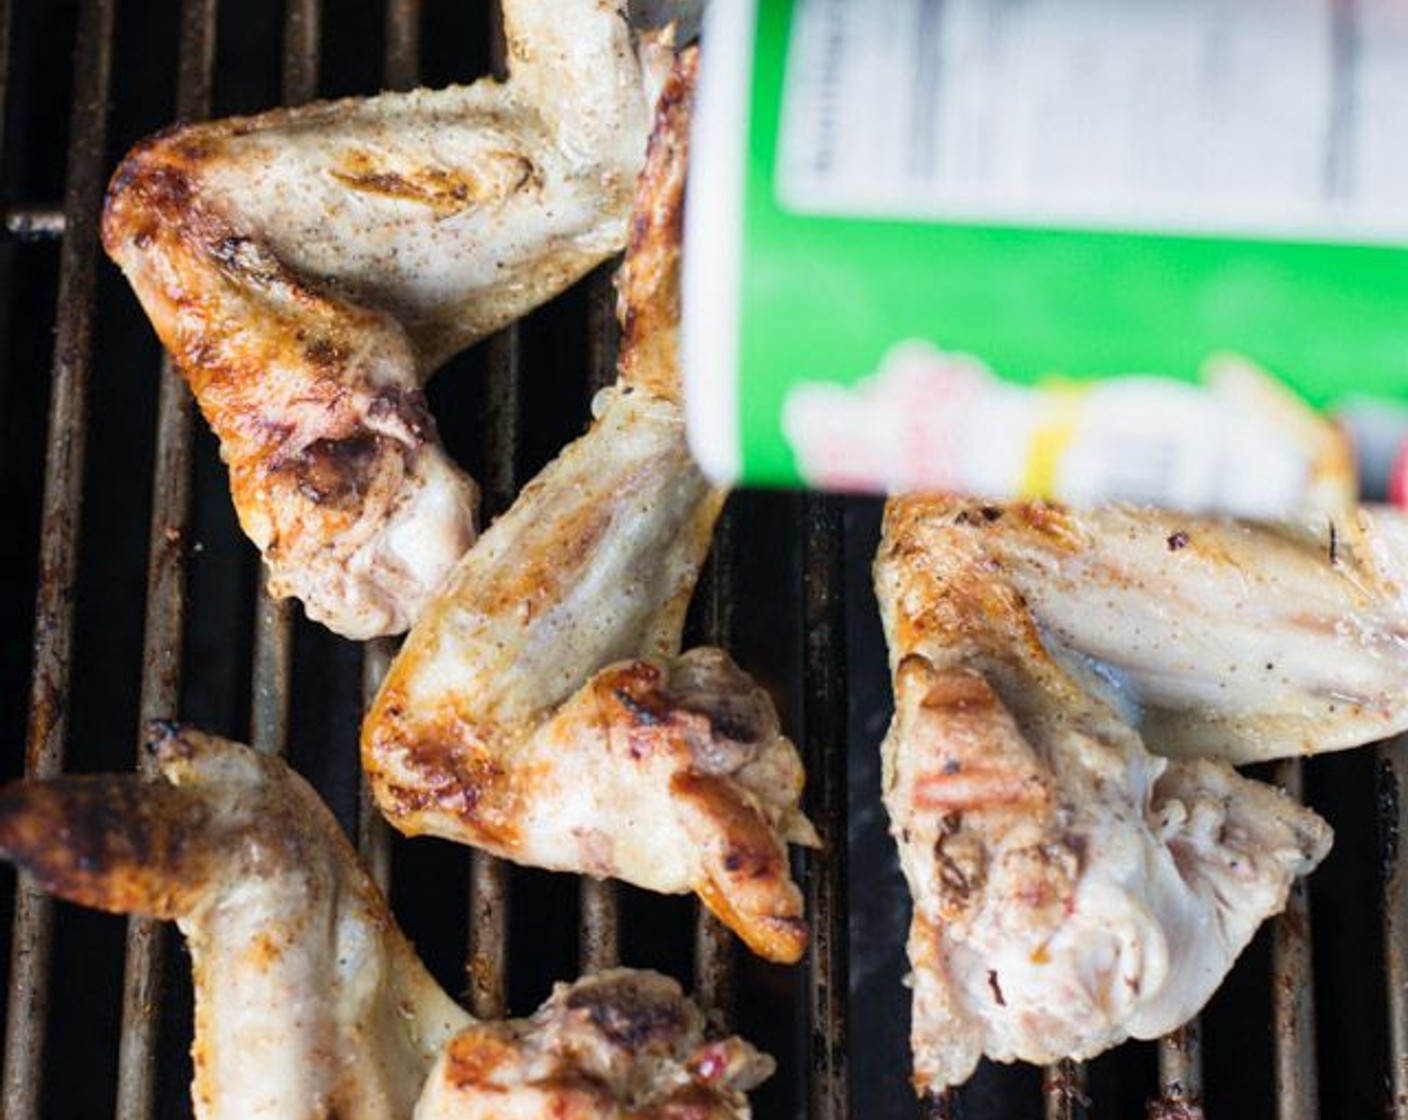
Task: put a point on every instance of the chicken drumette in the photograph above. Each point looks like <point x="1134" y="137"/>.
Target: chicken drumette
<point x="620" y="1045"/>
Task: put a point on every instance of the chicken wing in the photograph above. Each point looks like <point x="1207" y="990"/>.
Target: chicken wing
<point x="541" y="710"/>
<point x="309" y="268"/>
<point x="1216" y="637"/>
<point x="310" y="1003"/>
<point x="617" y="1046"/>
<point x="1070" y="888"/>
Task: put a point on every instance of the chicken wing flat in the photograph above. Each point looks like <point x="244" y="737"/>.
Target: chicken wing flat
<point x="541" y="709"/>
<point x="310" y="1003"/>
<point x="620" y="1045"/>
<point x="308" y="269"/>
<point x="1070" y="888"/>
<point x="1217" y="637"/>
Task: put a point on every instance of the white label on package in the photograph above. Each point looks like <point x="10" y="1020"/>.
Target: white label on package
<point x="1269" y="118"/>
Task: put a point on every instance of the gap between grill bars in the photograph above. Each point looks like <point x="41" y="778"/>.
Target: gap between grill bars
<point x="819" y="1058"/>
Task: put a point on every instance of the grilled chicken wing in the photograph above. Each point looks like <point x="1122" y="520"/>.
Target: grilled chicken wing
<point x="541" y="710"/>
<point x="1070" y="888"/>
<point x="1217" y="637"/>
<point x="617" y="1046"/>
<point x="310" y="1003"/>
<point x="309" y="268"/>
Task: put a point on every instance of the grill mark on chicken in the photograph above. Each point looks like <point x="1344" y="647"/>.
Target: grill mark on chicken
<point x="445" y="191"/>
<point x="961" y="861"/>
<point x="339" y="471"/>
<point x="405" y="406"/>
<point x="649" y="712"/>
<point x="714" y="713"/>
<point x="335" y="472"/>
<point x="627" y="1017"/>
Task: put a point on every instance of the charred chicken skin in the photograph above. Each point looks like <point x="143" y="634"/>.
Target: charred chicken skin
<point x="309" y="268"/>
<point x="1071" y="889"/>
<point x="310" y="1003"/>
<point x="541" y="709"/>
<point x="620" y="1045"/>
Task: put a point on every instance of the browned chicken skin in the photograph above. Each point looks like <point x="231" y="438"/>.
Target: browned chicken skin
<point x="308" y="269"/>
<point x="1219" y="637"/>
<point x="541" y="708"/>
<point x="310" y="1003"/>
<point x="620" y="1045"/>
<point x="1071" y="889"/>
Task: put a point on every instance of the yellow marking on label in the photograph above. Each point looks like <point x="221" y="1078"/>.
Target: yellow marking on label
<point x="1054" y="433"/>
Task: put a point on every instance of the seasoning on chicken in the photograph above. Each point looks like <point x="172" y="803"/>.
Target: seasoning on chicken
<point x="620" y="1045"/>
<point x="310" y="1003"/>
<point x="1070" y="888"/>
<point x="309" y="268"/>
<point x="540" y="709"/>
<point x="1216" y="637"/>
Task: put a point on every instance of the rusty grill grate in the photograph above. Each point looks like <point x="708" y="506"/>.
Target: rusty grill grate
<point x="128" y="626"/>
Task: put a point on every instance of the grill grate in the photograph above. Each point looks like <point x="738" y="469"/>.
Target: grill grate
<point x="785" y="588"/>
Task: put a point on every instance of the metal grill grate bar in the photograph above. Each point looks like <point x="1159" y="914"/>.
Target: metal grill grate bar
<point x="31" y="947"/>
<point x="1063" y="1089"/>
<point x="273" y="626"/>
<point x="1292" y="986"/>
<point x="373" y="833"/>
<point x="1393" y="827"/>
<point x="486" y="965"/>
<point x="714" y="961"/>
<point x="166" y="604"/>
<point x="824" y="751"/>
<point x="599" y="925"/>
<point x="487" y="960"/>
<point x="273" y="669"/>
<point x="402" y="44"/>
<point x="374" y="838"/>
<point x="600" y="908"/>
<point x="1180" y="1075"/>
<point x="303" y="25"/>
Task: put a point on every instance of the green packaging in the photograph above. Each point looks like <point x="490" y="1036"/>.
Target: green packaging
<point x="1035" y="249"/>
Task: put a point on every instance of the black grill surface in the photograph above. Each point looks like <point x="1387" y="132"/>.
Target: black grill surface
<point x="130" y="593"/>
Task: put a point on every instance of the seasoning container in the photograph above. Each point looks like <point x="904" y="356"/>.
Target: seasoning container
<point x="1015" y="249"/>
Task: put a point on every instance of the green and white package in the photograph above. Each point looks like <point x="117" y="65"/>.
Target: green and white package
<point x="1021" y="249"/>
